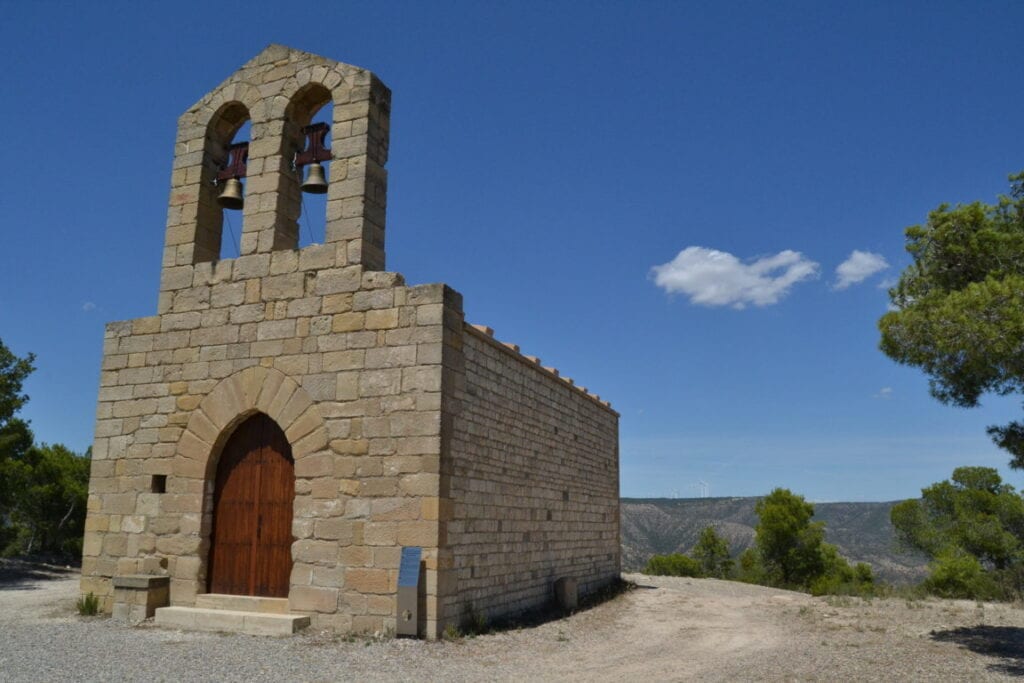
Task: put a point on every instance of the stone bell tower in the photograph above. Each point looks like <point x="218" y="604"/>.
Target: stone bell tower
<point x="279" y="92"/>
<point x="294" y="419"/>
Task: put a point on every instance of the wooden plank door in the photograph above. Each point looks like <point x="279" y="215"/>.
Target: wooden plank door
<point x="250" y="549"/>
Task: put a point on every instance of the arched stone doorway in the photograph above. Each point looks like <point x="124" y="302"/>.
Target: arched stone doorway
<point x="251" y="540"/>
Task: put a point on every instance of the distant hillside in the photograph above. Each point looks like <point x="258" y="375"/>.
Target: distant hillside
<point x="861" y="531"/>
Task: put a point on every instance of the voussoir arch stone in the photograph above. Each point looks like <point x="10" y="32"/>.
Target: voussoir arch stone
<point x="333" y="80"/>
<point x="245" y="94"/>
<point x="235" y="398"/>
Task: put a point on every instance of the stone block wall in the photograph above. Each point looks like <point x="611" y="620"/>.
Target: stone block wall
<point x="136" y="597"/>
<point x="533" y="481"/>
<point x="353" y="378"/>
<point x="279" y="91"/>
<point x="407" y="427"/>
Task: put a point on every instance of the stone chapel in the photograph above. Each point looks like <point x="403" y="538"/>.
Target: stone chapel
<point x="292" y="420"/>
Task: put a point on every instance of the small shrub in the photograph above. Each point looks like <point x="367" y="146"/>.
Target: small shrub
<point x="956" y="574"/>
<point x="675" y="564"/>
<point x="88" y="605"/>
<point x="480" y="624"/>
<point x="1009" y="581"/>
<point x="475" y="623"/>
<point x="839" y="578"/>
<point x="451" y="632"/>
<point x="839" y="601"/>
<point x="751" y="569"/>
<point x="712" y="552"/>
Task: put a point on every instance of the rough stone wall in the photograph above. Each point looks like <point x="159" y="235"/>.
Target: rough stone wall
<point x="407" y="427"/>
<point x="344" y="357"/>
<point x="355" y="385"/>
<point x="533" y="481"/>
<point x="279" y="90"/>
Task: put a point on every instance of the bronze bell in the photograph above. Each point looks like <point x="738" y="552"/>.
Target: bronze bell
<point x="316" y="182"/>
<point x="231" y="196"/>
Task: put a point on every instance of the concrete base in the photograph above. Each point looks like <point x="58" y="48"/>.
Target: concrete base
<point x="234" y="614"/>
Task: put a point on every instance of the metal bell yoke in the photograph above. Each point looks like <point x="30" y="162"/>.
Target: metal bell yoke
<point x="316" y="151"/>
<point x="232" y="197"/>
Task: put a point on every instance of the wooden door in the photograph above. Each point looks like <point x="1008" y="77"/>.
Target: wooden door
<point x="251" y="542"/>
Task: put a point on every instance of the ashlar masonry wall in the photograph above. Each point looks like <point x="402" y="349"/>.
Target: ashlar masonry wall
<point x="406" y="426"/>
<point x="360" y="407"/>
<point x="533" y="481"/>
<point x="341" y="355"/>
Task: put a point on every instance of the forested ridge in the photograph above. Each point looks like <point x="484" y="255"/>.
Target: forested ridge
<point x="861" y="531"/>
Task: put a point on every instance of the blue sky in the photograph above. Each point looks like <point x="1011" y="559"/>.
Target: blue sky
<point x="653" y="197"/>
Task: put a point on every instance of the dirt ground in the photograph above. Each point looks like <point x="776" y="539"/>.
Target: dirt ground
<point x="665" y="629"/>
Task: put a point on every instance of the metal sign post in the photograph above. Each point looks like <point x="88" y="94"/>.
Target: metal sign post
<point x="408" y="592"/>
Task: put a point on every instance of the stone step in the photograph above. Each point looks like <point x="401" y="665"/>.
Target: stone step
<point x="242" y="603"/>
<point x="230" y="621"/>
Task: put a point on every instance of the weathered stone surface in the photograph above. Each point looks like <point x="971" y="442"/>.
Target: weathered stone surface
<point x="313" y="599"/>
<point x="406" y="427"/>
<point x="367" y="580"/>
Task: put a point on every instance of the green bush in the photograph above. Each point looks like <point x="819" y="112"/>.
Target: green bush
<point x="712" y="552"/>
<point x="788" y="542"/>
<point x="750" y="568"/>
<point x="972" y="525"/>
<point x="789" y="552"/>
<point x="974" y="512"/>
<point x="843" y="583"/>
<point x="839" y="578"/>
<point x="957" y="574"/>
<point x="1009" y="582"/>
<point x="862" y="573"/>
<point x="675" y="564"/>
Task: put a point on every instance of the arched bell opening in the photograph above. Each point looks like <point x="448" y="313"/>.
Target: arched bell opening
<point x="309" y="119"/>
<point x="221" y="187"/>
<point x="253" y="498"/>
<point x="231" y="190"/>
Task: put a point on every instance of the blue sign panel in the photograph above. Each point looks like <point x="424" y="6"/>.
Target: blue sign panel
<point x="409" y="568"/>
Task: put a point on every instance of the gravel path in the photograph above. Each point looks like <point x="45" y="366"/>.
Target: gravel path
<point x="667" y="629"/>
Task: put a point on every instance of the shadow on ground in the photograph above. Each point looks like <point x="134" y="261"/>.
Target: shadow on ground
<point x="23" y="575"/>
<point x="550" y="612"/>
<point x="1004" y="642"/>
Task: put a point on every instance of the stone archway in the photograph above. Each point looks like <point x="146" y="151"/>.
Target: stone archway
<point x="234" y="400"/>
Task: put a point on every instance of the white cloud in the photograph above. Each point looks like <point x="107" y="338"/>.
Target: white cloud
<point x="859" y="266"/>
<point x="885" y="393"/>
<point x="88" y="306"/>
<point x="717" y="278"/>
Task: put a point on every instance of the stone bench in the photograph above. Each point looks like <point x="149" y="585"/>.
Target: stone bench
<point x="136" y="597"/>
